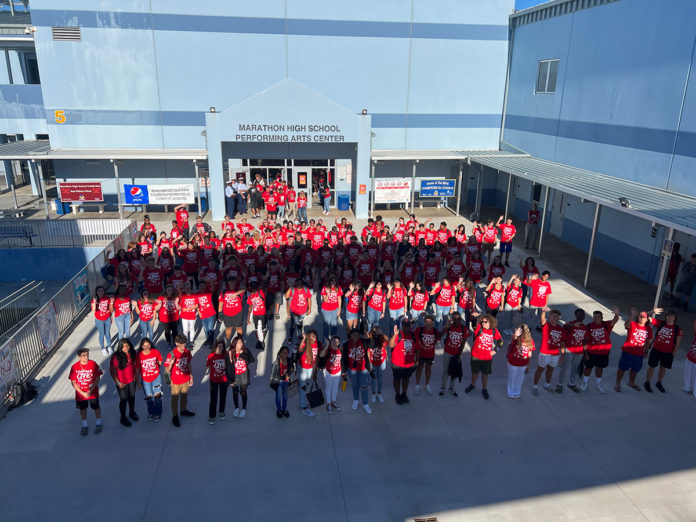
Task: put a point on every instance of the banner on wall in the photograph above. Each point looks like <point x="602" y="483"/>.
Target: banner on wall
<point x="78" y="192"/>
<point x="392" y="190"/>
<point x="7" y="368"/>
<point x="159" y="194"/>
<point x="47" y="324"/>
<point x="81" y="289"/>
<point x="437" y="188"/>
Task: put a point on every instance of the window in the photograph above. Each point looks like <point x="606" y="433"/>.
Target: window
<point x="546" y="79"/>
<point x="536" y="193"/>
<point x="18" y="67"/>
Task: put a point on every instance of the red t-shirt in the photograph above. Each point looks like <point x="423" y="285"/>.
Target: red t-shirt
<point x="122" y="306"/>
<point x="404" y="354"/>
<point x="484" y="339"/>
<point x="301" y="201"/>
<point x="101" y="310"/>
<point x="354" y="301"/>
<point x="356" y="356"/>
<point x="205" y="305"/>
<point x="182" y="218"/>
<point x="513" y="296"/>
<point x="333" y="361"/>
<point x="375" y="299"/>
<point x="495" y="297"/>
<point x="551" y="338"/>
<point x="418" y="301"/>
<point x="691" y="354"/>
<point x="506" y="232"/>
<point x="378" y="354"/>
<point x="489" y="234"/>
<point x="167" y="312"/>
<point x="398" y="298"/>
<point x="188" y="304"/>
<point x="444" y="295"/>
<point x="216" y="364"/>
<point x="304" y="363"/>
<point x="127" y="374"/>
<point x="540" y="292"/>
<point x="476" y="270"/>
<point x="149" y="364"/>
<point x="637" y="338"/>
<point x="85" y="375"/>
<point x="665" y="336"/>
<point x="180" y="372"/>
<point x="147" y="310"/>
<point x="231" y="303"/>
<point x="330" y="298"/>
<point x="257" y="301"/>
<point x="576" y="337"/>
<point x="299" y="300"/>
<point x="519" y="354"/>
<point x="456" y="335"/>
<point x="426" y="341"/>
<point x="154" y="277"/>
<point x="599" y="337"/>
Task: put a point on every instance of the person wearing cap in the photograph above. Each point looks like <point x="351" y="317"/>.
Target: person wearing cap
<point x="242" y="189"/>
<point x="635" y="348"/>
<point x="230" y="199"/>
<point x="668" y="336"/>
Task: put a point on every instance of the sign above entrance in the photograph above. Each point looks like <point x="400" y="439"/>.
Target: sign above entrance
<point x="289" y="133"/>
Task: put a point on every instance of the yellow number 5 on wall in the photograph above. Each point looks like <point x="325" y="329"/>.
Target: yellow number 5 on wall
<point x="60" y="116"/>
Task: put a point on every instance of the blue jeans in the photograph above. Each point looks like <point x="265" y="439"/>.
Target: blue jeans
<point x="305" y="384"/>
<point x="377" y="379"/>
<point x="209" y="327"/>
<point x="146" y="329"/>
<point x="417" y="316"/>
<point x="295" y="325"/>
<point x="466" y="315"/>
<point x="330" y="322"/>
<point x="104" y="331"/>
<point x="326" y="202"/>
<point x="302" y="214"/>
<point x="372" y="317"/>
<point x="281" y="397"/>
<point x="123" y="325"/>
<point x="153" y="396"/>
<point x="281" y="211"/>
<point x="359" y="381"/>
<point x="441" y="312"/>
<point x="395" y="317"/>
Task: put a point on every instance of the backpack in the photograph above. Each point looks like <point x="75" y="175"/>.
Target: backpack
<point x="22" y="393"/>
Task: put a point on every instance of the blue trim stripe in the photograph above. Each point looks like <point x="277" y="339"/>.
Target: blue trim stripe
<point x="642" y="138"/>
<point x="280" y="26"/>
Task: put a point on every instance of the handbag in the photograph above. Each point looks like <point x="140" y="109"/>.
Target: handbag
<point x="293" y="388"/>
<point x="274" y="384"/>
<point x="315" y="397"/>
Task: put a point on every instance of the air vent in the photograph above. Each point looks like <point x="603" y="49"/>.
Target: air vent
<point x="66" y="34"/>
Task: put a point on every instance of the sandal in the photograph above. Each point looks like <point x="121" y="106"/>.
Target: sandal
<point x="634" y="386"/>
<point x="617" y="388"/>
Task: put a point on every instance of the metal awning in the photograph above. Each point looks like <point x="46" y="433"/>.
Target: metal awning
<point x="663" y="207"/>
<point x="41" y="150"/>
<point x="412" y="155"/>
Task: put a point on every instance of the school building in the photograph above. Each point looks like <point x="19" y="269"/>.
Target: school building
<point x="583" y="106"/>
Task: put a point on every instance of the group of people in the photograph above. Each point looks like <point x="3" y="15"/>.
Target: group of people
<point x="418" y="281"/>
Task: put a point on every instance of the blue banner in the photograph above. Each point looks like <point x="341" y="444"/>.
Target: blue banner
<point x="136" y="194"/>
<point x="437" y="188"/>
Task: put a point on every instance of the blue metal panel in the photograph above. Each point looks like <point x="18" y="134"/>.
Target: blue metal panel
<point x="21" y="102"/>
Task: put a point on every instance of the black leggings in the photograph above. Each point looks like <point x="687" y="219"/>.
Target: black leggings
<point x="171" y="329"/>
<point x="236" y="390"/>
<point x="218" y="388"/>
<point x="126" y="395"/>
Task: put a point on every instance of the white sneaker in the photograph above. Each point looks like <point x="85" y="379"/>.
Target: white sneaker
<point x="235" y="413"/>
<point x="535" y="390"/>
<point x="105" y="351"/>
<point x="416" y="391"/>
<point x="600" y="389"/>
<point x="242" y="414"/>
<point x="374" y="399"/>
<point x="110" y="351"/>
<point x="381" y="399"/>
<point x="428" y="389"/>
<point x="309" y="413"/>
<point x="329" y="410"/>
<point x="355" y="405"/>
<point x="583" y="386"/>
<point x="367" y="409"/>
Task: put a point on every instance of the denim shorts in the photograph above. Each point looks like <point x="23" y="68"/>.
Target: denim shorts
<point x="631" y="362"/>
<point x="350" y="316"/>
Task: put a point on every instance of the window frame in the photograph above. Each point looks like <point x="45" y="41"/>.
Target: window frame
<point x="547" y="74"/>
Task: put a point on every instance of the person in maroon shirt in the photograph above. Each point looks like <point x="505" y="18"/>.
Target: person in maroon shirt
<point x="84" y="376"/>
<point x="531" y="229"/>
<point x="122" y="369"/>
<point x="216" y="365"/>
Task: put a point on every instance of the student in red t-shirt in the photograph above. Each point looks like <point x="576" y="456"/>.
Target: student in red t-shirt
<point x="188" y="302"/>
<point x="257" y="308"/>
<point x="147" y="368"/>
<point x="638" y="338"/>
<point x="507" y="233"/>
<point x="178" y="366"/>
<point x="512" y="304"/>
<point x="331" y="359"/>
<point x="598" y="347"/>
<point x="230" y="308"/>
<point x="531" y="229"/>
<point x="575" y="336"/>
<point x="403" y="359"/>
<point x="541" y="290"/>
<point x="358" y="366"/>
<point x="299" y="306"/>
<point x="377" y="353"/>
<point x="302" y="207"/>
<point x="454" y="340"/>
<point x="101" y="308"/>
<point x="308" y="353"/>
<point x="668" y="337"/>
<point x="418" y="299"/>
<point x="182" y="219"/>
<point x="426" y="337"/>
<point x="690" y="366"/>
<point x="331" y="298"/>
<point x="146" y="308"/>
<point x="84" y="376"/>
<point x="396" y="297"/>
<point x="123" y="369"/>
<point x="374" y="304"/>
<point x="123" y="311"/>
<point x="552" y="348"/>
<point x="216" y="365"/>
<point x="519" y="354"/>
<point x="206" y="311"/>
<point x="486" y="339"/>
<point x="281" y="374"/>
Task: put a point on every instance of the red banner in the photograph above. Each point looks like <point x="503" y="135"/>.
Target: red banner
<point x="77" y="192"/>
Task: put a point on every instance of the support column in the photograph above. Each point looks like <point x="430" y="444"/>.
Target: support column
<point x="543" y="217"/>
<point x="35" y="185"/>
<point x="198" y="187"/>
<point x="372" y="190"/>
<point x="43" y="189"/>
<point x="590" y="252"/>
<point x="413" y="185"/>
<point x="663" y="269"/>
<point x="479" y="190"/>
<point x="507" y="197"/>
<point x="459" y="191"/>
<point x="118" y="189"/>
<point x="14" y="191"/>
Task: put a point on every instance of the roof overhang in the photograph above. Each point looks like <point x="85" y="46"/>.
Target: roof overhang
<point x="38" y="150"/>
<point x="418" y="155"/>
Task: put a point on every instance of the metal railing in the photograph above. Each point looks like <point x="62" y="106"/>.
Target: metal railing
<point x="19" y="305"/>
<point x="25" y="350"/>
<point x="68" y="232"/>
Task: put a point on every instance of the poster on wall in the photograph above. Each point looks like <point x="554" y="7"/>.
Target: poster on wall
<point x="437" y="188"/>
<point x="81" y="289"/>
<point x="47" y="324"/>
<point x="159" y="194"/>
<point x="7" y="368"/>
<point x="392" y="190"/>
<point x="78" y="192"/>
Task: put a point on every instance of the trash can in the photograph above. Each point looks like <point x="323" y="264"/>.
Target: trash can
<point x="61" y="208"/>
<point x="343" y="202"/>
